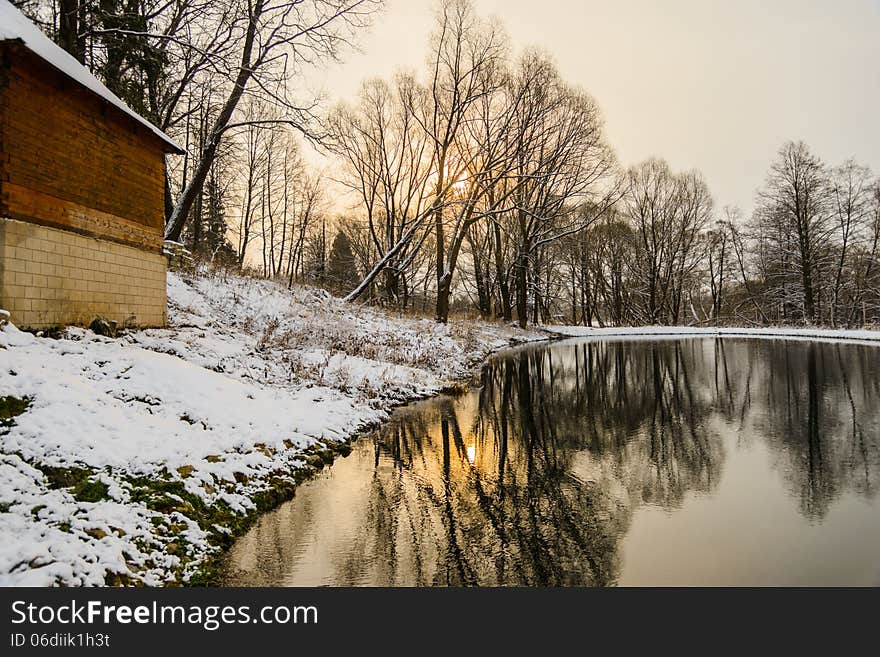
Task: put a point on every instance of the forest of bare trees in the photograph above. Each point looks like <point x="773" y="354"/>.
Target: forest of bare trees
<point x="479" y="183"/>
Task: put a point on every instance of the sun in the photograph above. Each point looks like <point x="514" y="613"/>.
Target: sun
<point x="460" y="186"/>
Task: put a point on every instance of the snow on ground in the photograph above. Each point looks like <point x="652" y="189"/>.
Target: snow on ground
<point x="137" y="456"/>
<point x="654" y="332"/>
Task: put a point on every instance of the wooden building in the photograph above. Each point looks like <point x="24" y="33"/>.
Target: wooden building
<point x="82" y="184"/>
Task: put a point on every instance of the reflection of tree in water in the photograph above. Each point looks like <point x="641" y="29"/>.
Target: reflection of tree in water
<point x="645" y="406"/>
<point x="533" y="477"/>
<point x="509" y="499"/>
<point x="821" y="417"/>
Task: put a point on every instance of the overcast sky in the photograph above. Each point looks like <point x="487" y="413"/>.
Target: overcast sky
<point x="716" y="85"/>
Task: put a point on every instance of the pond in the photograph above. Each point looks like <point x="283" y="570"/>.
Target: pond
<point x="700" y="461"/>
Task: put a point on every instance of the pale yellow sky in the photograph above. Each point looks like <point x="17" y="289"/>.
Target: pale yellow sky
<point x="717" y="85"/>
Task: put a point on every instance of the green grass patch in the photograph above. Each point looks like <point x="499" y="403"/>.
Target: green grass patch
<point x="66" y="477"/>
<point x="79" y="480"/>
<point x="10" y="408"/>
<point x="166" y="496"/>
<point x="90" y="490"/>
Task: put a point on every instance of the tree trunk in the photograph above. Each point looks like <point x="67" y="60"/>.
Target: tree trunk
<point x="392" y="284"/>
<point x="442" y="313"/>
<point x="483" y="301"/>
<point x="444" y="286"/>
<point x="809" y="302"/>
<point x="209" y="151"/>
<point x="501" y="273"/>
<point x="68" y="29"/>
<point x="521" y="290"/>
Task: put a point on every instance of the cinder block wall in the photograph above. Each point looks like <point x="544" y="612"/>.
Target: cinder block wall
<point x="51" y="277"/>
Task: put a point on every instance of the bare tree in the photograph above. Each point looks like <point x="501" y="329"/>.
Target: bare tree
<point x="560" y="160"/>
<point x="850" y="202"/>
<point x="467" y="57"/>
<point x="275" y="40"/>
<point x="793" y="205"/>
<point x="385" y="165"/>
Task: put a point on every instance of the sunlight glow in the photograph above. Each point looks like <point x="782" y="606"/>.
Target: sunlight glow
<point x="459" y="187"/>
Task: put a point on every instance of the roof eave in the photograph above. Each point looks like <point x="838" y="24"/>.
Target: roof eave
<point x="171" y="146"/>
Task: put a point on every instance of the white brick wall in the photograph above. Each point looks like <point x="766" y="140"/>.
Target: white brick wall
<point x="51" y="277"/>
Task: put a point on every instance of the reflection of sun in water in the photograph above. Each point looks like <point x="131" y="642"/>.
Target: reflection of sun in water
<point x="472" y="453"/>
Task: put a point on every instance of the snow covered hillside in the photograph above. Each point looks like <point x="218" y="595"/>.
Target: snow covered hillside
<point x="131" y="460"/>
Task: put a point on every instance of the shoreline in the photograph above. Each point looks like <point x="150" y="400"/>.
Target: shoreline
<point x="853" y="336"/>
<point x="209" y="572"/>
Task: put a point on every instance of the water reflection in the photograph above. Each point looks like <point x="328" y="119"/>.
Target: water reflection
<point x="534" y="477"/>
<point x="822" y="420"/>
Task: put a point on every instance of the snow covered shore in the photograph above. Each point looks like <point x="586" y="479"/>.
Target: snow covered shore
<point x="132" y="460"/>
<point x="778" y="332"/>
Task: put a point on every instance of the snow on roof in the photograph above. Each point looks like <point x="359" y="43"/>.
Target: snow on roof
<point x="15" y="27"/>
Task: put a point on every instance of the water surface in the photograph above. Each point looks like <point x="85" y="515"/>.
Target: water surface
<point x="699" y="461"/>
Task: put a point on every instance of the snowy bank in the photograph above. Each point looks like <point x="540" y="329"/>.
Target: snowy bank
<point x="132" y="460"/>
<point x="775" y="332"/>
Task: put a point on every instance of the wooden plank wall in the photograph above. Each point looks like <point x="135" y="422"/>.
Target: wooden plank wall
<point x="4" y="120"/>
<point x="71" y="160"/>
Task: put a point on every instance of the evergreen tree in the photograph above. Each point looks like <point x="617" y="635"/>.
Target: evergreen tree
<point x="342" y="274"/>
<point x="216" y="246"/>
